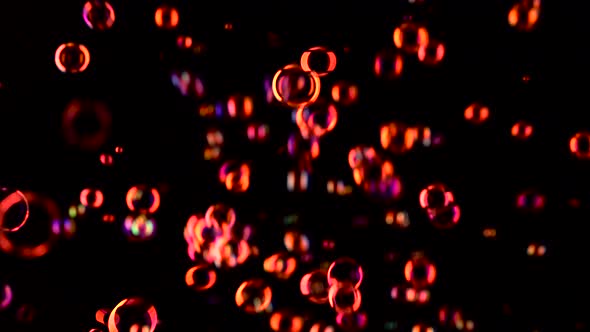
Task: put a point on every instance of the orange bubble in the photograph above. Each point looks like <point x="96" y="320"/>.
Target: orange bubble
<point x="316" y="119"/>
<point x="282" y="265"/>
<point x="388" y="64"/>
<point x="477" y="113"/>
<point x="285" y="320"/>
<point x="296" y="242"/>
<point x="344" y="298"/>
<point x="294" y="87"/>
<point x="521" y="130"/>
<point x="143" y="199"/>
<point x="314" y="286"/>
<point x="345" y="93"/>
<point x="445" y="217"/>
<point x="318" y="59"/>
<point x="345" y="270"/>
<point x="200" y="277"/>
<point x="135" y="314"/>
<point x="235" y="176"/>
<point x="432" y="53"/>
<point x="106" y="159"/>
<point x="398" y="138"/>
<point x="257" y="132"/>
<point x="72" y="58"/>
<point x="435" y="196"/>
<point x="14" y="210"/>
<point x="421" y="327"/>
<point x="166" y="17"/>
<point x="410" y="36"/>
<point x="580" y="145"/>
<point x="298" y="180"/>
<point x="419" y="271"/>
<point x="524" y="15"/>
<point x="91" y="198"/>
<point x="98" y="14"/>
<point x="240" y="106"/>
<point x="253" y="296"/>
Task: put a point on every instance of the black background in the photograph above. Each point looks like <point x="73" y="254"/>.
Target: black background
<point x="163" y="138"/>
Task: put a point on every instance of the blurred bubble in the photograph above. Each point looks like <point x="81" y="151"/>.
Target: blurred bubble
<point x="344" y="298"/>
<point x="322" y="327"/>
<point x="318" y="59"/>
<point x="407" y="294"/>
<point x="86" y="124"/>
<point x="301" y="148"/>
<point x="419" y="271"/>
<point x="388" y="64"/>
<point x="106" y="159"/>
<point x="345" y="270"/>
<point x="445" y="217"/>
<point x="421" y="327"/>
<point x="530" y="201"/>
<point x="64" y="228"/>
<point x="435" y="196"/>
<point x="359" y="155"/>
<point x="580" y="145"/>
<point x="409" y="36"/>
<point x="257" y="132"/>
<point x="489" y="233"/>
<point x="521" y="130"/>
<point x="345" y="93"/>
<point x="524" y="14"/>
<point x="284" y="320"/>
<point x="314" y="286"/>
<point x="431" y="53"/>
<point x="399" y="219"/>
<point x="282" y="265"/>
<point x="135" y="314"/>
<point x="477" y="113"/>
<point x="298" y="180"/>
<point x="139" y="227"/>
<point x="14" y="210"/>
<point x="296" y="242"/>
<point x="535" y="249"/>
<point x="235" y="176"/>
<point x="294" y="87"/>
<point x="240" y="106"/>
<point x="253" y="296"/>
<point x="92" y="198"/>
<point x="5" y="296"/>
<point x="338" y="187"/>
<point x="189" y="84"/>
<point x="317" y="119"/>
<point x="399" y="138"/>
<point x="166" y="18"/>
<point x="98" y="14"/>
<point x="36" y="236"/>
<point x="356" y="321"/>
<point x="72" y="58"/>
<point x="143" y="199"/>
<point x="201" y="277"/>
<point x="221" y="216"/>
<point x="26" y="313"/>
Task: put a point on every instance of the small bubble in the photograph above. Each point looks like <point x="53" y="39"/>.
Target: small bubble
<point x="166" y="17"/>
<point x="580" y="145"/>
<point x="344" y="298"/>
<point x="253" y="296"/>
<point x="345" y="270"/>
<point x="524" y="15"/>
<point x="98" y="14"/>
<point x="388" y="64"/>
<point x="477" y="113"/>
<point x="419" y="271"/>
<point x="201" y="277"/>
<point x="72" y="58"/>
<point x="318" y="59"/>
<point x="294" y="87"/>
<point x="409" y="36"/>
<point x="314" y="286"/>
<point x="14" y="210"/>
<point x="521" y="130"/>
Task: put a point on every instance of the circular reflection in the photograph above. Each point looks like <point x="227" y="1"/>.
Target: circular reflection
<point x="431" y="53"/>
<point x="166" y="18"/>
<point x="201" y="277"/>
<point x="294" y="87"/>
<point x="318" y="59"/>
<point x="345" y="270"/>
<point x="316" y="119"/>
<point x="134" y="315"/>
<point x="345" y="93"/>
<point x="143" y="199"/>
<point x="524" y="15"/>
<point x="356" y="321"/>
<point x="91" y="198"/>
<point x="435" y="196"/>
<point x="419" y="271"/>
<point x="282" y="265"/>
<point x="72" y="58"/>
<point x="521" y="130"/>
<point x="344" y="298"/>
<point x="139" y="228"/>
<point x="253" y="296"/>
<point x="5" y="296"/>
<point x="285" y="320"/>
<point x="580" y="145"/>
<point x="410" y="36"/>
<point x="14" y="210"/>
<point x="86" y="124"/>
<point x="98" y="14"/>
<point x="388" y="64"/>
<point x="477" y="113"/>
<point x="314" y="286"/>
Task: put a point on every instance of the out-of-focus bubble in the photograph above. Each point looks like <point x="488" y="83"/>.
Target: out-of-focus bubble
<point x="166" y="17"/>
<point x="580" y="145"/>
<point x="296" y="242"/>
<point x="453" y="318"/>
<point x="257" y="132"/>
<point x="285" y="320"/>
<point x="98" y="14"/>
<point x="5" y="296"/>
<point x="399" y="219"/>
<point x="143" y="199"/>
<point x="477" y="113"/>
<point x="524" y="14"/>
<point x="298" y="180"/>
<point x="14" y="210"/>
<point x="294" y="87"/>
<point x="409" y="36"/>
<point x="86" y="124"/>
<point x="530" y="201"/>
<point x="388" y="64"/>
<point x="522" y="130"/>
<point x="201" y="277"/>
<point x="35" y="238"/>
<point x="314" y="286"/>
<point x="322" y="327"/>
<point x="235" y="176"/>
<point x="445" y="217"/>
<point x="422" y="327"/>
<point x="228" y="252"/>
<point x="316" y="119"/>
<point x="431" y="53"/>
<point x="407" y="294"/>
<point x="489" y="233"/>
<point x="139" y="227"/>
<point x="188" y="84"/>
<point x="420" y="271"/>
<point x="399" y="138"/>
<point x="282" y="265"/>
<point x="253" y="296"/>
<point x="435" y="196"/>
<point x="359" y="155"/>
<point x="338" y="187"/>
<point x="76" y="211"/>
<point x="65" y="228"/>
<point x="214" y="137"/>
<point x="95" y="330"/>
<point x="26" y="313"/>
<point x="345" y="93"/>
<point x="345" y="270"/>
<point x="240" y="106"/>
<point x="535" y="249"/>
<point x="318" y="59"/>
<point x="344" y="298"/>
<point x="135" y="314"/>
<point x="221" y="216"/>
<point x="299" y="147"/>
<point x="356" y="321"/>
<point x="92" y="198"/>
<point x="72" y="58"/>
<point x="184" y="42"/>
<point x="108" y="218"/>
<point x="106" y="159"/>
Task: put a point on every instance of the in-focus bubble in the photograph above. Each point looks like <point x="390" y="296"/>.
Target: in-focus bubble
<point x="143" y="199"/>
<point x="253" y="296"/>
<point x="135" y="314"/>
<point x="477" y="113"/>
<point x="524" y="14"/>
<point x="139" y="227"/>
<point x="445" y="217"/>
<point x="521" y="130"/>
<point x="294" y="87"/>
<point x="14" y="210"/>
<point x="92" y="198"/>
<point x="282" y="265"/>
<point x="316" y="119"/>
<point x="345" y="270"/>
<point x="420" y="271"/>
<point x="318" y="59"/>
<point x="285" y="320"/>
<point x="388" y="64"/>
<point x="86" y="124"/>
<point x="5" y="296"/>
<point x="580" y="145"/>
<point x="201" y="277"/>
<point x="98" y="14"/>
<point x="431" y="53"/>
<point x="72" y="58"/>
<point x="314" y="286"/>
<point x="166" y="17"/>
<point x="352" y="322"/>
<point x="345" y="93"/>
<point x="344" y="298"/>
<point x="409" y="36"/>
<point x="435" y="196"/>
